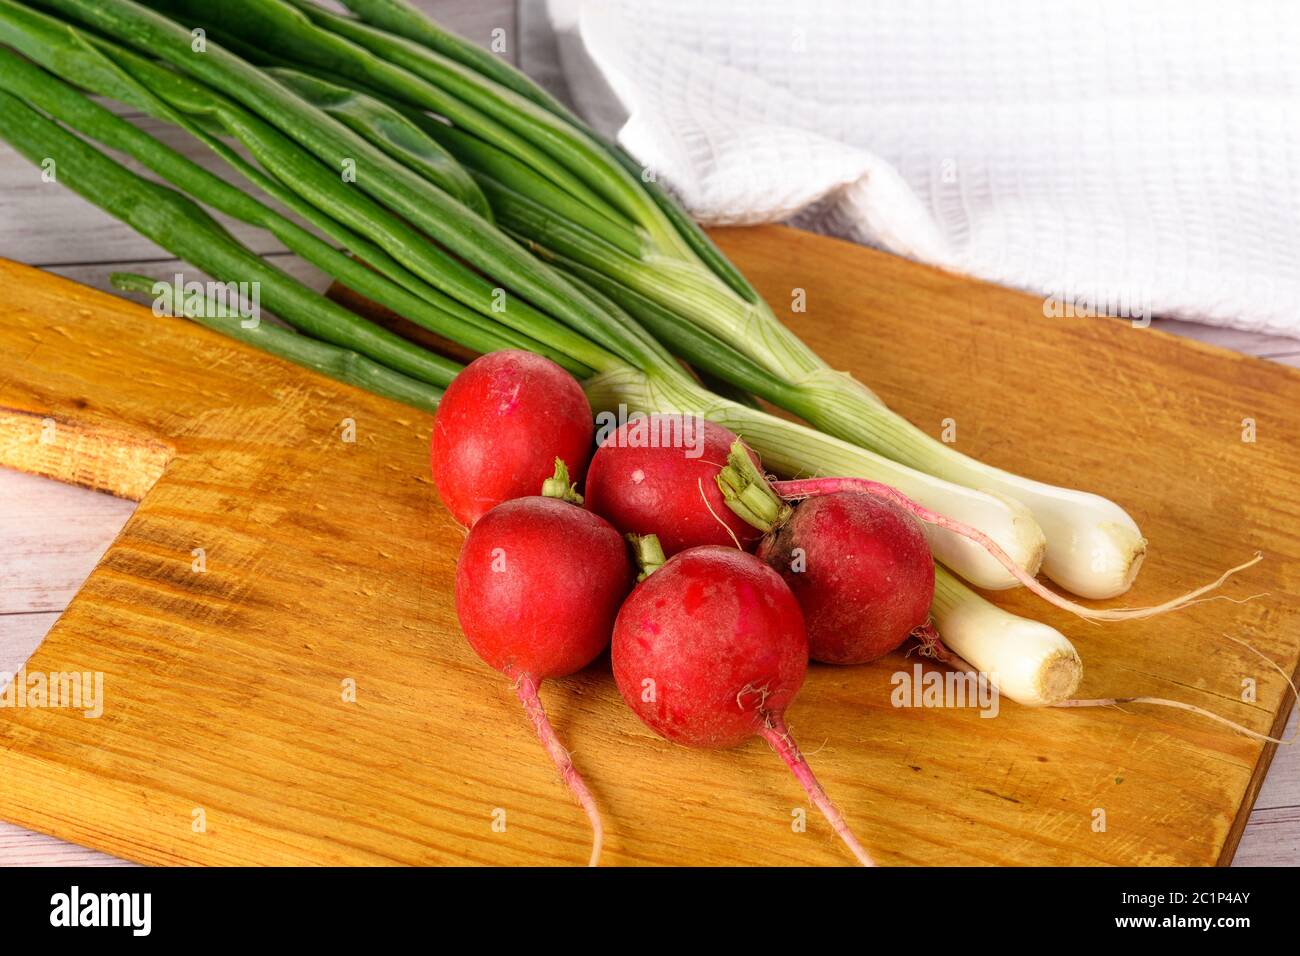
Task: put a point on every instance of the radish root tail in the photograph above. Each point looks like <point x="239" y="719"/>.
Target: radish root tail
<point x="526" y="689"/>
<point x="778" y="736"/>
<point x="807" y="488"/>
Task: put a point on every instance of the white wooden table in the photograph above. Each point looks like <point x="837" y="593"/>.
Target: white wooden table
<point x="52" y="535"/>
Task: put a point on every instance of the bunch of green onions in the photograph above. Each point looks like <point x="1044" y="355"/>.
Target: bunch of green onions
<point x="440" y="183"/>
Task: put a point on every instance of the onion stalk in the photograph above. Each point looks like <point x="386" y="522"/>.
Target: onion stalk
<point x="146" y="84"/>
<point x="669" y="274"/>
<point x="402" y="19"/>
<point x="564" y="142"/>
<point x="1094" y="548"/>
<point x="810" y="452"/>
<point x="380" y="177"/>
<point x="302" y="184"/>
<point x="182" y="228"/>
<point x="1033" y="664"/>
<point x="331" y="361"/>
<point x="431" y="309"/>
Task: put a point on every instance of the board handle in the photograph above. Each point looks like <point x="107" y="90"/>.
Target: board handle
<point x="101" y="457"/>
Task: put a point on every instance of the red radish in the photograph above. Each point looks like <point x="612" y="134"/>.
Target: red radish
<point x="538" y="587"/>
<point x="709" y="650"/>
<point x="499" y="428"/>
<point x="862" y="571"/>
<point x="669" y="489"/>
<point x="858" y="564"/>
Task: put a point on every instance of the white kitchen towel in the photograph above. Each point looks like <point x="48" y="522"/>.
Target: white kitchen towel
<point x="1115" y="157"/>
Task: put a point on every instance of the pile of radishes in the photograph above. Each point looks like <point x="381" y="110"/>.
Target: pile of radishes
<point x="712" y="586"/>
<point x="712" y="644"/>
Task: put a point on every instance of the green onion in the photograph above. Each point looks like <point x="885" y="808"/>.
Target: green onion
<point x="577" y="151"/>
<point x="679" y="297"/>
<point x="329" y="360"/>
<point x="705" y="352"/>
<point x="147" y="85"/>
<point x="638" y="359"/>
<point x="384" y="179"/>
<point x="392" y="132"/>
<point x="399" y="17"/>
<point x="388" y="129"/>
<point x="65" y="104"/>
<point x="1094" y="547"/>
<point x="288" y="33"/>
<point x="186" y="231"/>
<point x="484" y="160"/>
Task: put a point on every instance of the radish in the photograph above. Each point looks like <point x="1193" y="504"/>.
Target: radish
<point x="499" y="428"/>
<point x="658" y="474"/>
<point x="538" y="586"/>
<point x="861" y="570"/>
<point x="709" y="650"/>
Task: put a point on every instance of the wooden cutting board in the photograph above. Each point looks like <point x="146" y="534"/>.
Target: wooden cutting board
<point x="327" y="563"/>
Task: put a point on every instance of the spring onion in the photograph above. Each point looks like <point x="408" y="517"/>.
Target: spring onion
<point x="65" y="104"/>
<point x="339" y="364"/>
<point x="304" y="186"/>
<point x="382" y="178"/>
<point x="402" y="19"/>
<point x="182" y="228"/>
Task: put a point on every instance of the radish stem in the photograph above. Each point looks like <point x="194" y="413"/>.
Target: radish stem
<point x="559" y="485"/>
<point x="527" y="691"/>
<point x="649" y="554"/>
<point x="777" y="734"/>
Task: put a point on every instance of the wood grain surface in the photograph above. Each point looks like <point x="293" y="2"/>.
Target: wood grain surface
<point x="328" y="561"/>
